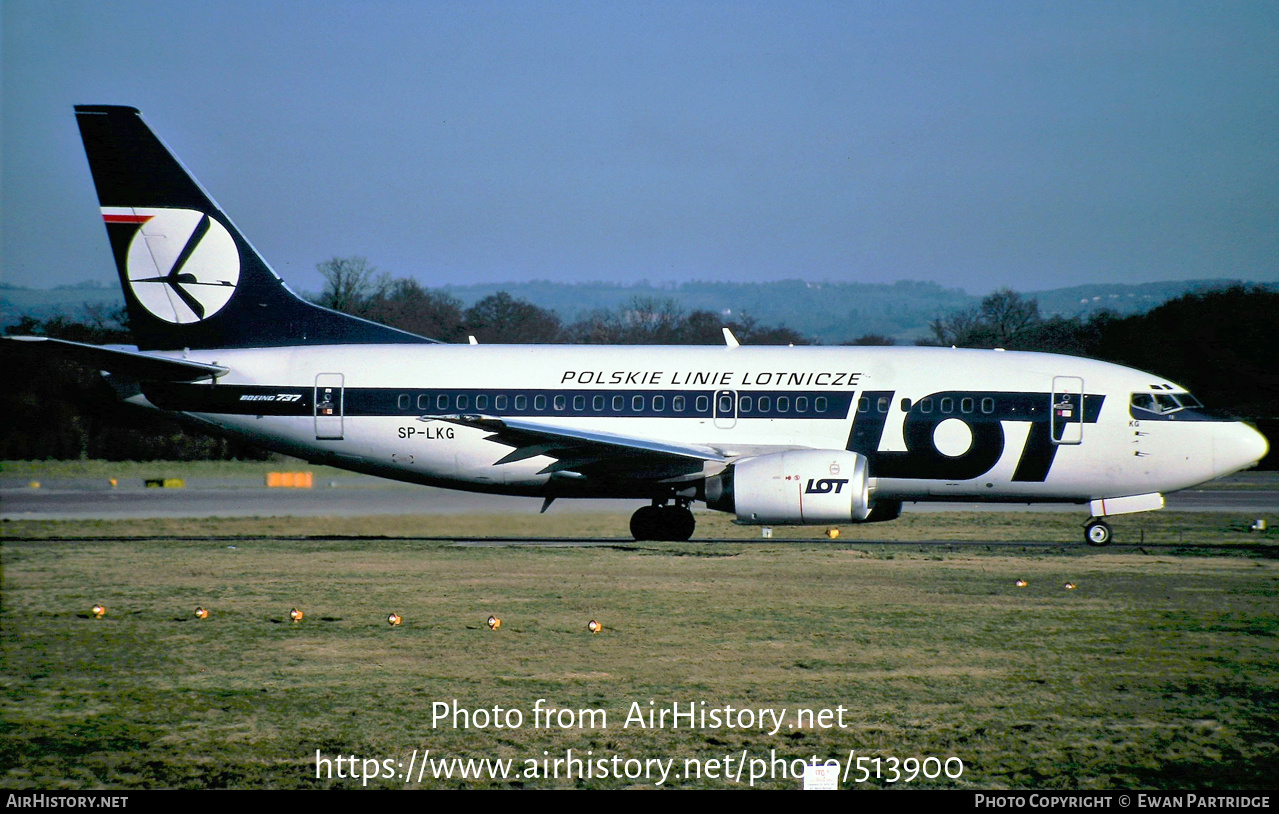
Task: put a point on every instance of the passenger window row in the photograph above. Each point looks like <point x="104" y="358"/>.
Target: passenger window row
<point x="762" y="405"/>
<point x="611" y="403"/>
<point x="946" y="404"/>
<point x="521" y="402"/>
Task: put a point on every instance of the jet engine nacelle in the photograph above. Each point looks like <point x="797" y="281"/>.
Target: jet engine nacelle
<point x="797" y="487"/>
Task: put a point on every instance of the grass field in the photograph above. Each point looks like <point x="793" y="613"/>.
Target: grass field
<point x="1159" y="670"/>
<point x="1187" y="529"/>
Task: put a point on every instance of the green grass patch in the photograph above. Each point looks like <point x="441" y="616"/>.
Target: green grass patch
<point x="1156" y="671"/>
<point x="1189" y="529"/>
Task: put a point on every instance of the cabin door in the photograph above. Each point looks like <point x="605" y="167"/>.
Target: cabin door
<point x="726" y="409"/>
<point x="1067" y="415"/>
<point x="328" y="407"/>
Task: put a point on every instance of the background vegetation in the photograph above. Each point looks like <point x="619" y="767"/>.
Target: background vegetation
<point x="827" y="312"/>
<point x="1219" y="343"/>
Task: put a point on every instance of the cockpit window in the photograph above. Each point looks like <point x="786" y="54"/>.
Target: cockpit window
<point x="1163" y="403"/>
<point x="1144" y="401"/>
<point x="1188" y="400"/>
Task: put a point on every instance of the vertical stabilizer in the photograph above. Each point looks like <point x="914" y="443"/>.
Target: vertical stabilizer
<point x="190" y="278"/>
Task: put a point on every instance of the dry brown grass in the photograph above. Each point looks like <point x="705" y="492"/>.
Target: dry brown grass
<point x="1066" y="528"/>
<point x="1156" y="671"/>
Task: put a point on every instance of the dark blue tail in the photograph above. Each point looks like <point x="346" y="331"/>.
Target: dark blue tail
<point x="190" y="278"/>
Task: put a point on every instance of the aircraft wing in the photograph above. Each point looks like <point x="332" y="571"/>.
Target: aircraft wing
<point x="587" y="453"/>
<point x="126" y="361"/>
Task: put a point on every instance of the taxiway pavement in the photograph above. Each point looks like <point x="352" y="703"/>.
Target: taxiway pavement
<point x="1254" y="494"/>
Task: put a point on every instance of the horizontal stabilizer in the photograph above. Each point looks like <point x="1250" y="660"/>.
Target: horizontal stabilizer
<point x="124" y="361"/>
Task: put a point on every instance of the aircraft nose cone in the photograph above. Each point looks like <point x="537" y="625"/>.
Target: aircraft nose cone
<point x="1237" y="446"/>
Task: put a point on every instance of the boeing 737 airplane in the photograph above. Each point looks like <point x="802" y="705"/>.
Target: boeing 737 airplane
<point x="775" y="435"/>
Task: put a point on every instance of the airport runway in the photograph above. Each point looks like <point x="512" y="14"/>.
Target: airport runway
<point x="1254" y="494"/>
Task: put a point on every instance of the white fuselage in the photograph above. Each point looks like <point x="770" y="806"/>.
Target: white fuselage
<point x="936" y="424"/>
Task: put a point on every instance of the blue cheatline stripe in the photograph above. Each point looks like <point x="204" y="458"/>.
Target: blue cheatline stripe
<point x="386" y="401"/>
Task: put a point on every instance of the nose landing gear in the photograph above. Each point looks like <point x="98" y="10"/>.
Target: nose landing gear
<point x="1097" y="532"/>
<point x="662" y="522"/>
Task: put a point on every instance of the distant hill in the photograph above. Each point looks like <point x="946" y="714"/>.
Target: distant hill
<point x="828" y="312"/>
<point x="67" y="300"/>
<point x="833" y="312"/>
<point x="1083" y="300"/>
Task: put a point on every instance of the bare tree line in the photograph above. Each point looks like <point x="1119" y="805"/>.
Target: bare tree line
<point x="1220" y="344"/>
<point x="355" y="287"/>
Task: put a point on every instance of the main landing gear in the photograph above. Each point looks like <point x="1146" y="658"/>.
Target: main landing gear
<point x="1097" y="532"/>
<point x="662" y="522"/>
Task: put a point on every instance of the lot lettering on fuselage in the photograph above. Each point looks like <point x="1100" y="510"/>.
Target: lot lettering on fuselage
<point x="983" y="413"/>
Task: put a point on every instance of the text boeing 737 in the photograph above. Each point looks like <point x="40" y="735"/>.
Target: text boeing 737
<point x="776" y="435"/>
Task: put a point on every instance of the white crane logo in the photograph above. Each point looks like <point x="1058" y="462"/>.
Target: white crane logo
<point x="182" y="264"/>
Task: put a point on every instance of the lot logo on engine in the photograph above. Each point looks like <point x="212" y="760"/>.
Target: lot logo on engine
<point x="825" y="486"/>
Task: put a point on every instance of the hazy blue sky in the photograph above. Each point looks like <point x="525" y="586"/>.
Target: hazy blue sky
<point x="976" y="144"/>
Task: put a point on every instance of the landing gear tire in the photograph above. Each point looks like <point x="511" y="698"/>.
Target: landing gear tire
<point x="681" y="524"/>
<point x="663" y="523"/>
<point x="1097" y="533"/>
<point x="644" y="523"/>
